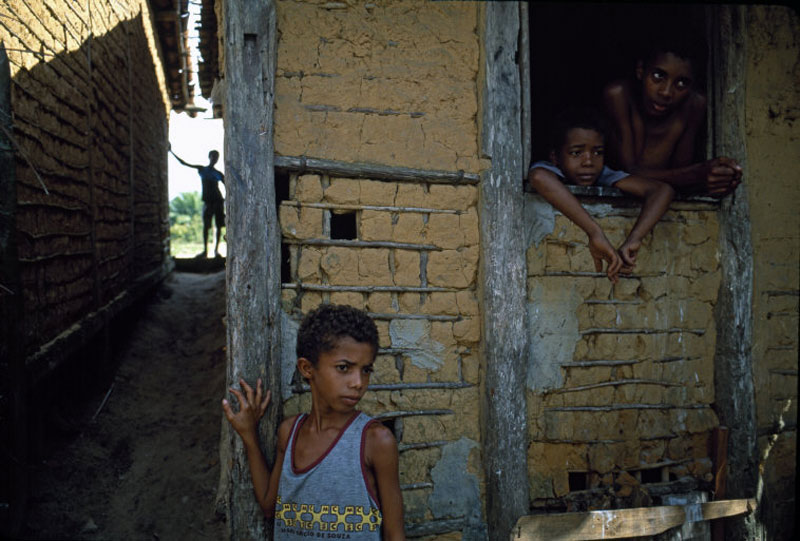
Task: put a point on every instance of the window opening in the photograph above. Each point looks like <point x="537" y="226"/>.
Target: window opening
<point x="286" y="264"/>
<point x="343" y="226"/>
<point x="282" y="179"/>
<point x="576" y="49"/>
<point x="282" y="184"/>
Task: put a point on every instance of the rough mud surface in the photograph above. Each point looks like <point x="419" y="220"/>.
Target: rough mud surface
<point x="147" y="466"/>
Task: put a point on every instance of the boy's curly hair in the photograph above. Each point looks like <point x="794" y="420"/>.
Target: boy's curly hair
<point x="324" y="326"/>
<point x="575" y="117"/>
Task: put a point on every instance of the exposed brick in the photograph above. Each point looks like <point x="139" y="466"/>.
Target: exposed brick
<point x="308" y="189"/>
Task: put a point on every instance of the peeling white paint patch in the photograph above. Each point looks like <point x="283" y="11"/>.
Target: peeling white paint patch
<point x="455" y="490"/>
<point x="599" y="210"/>
<point x="553" y="328"/>
<point x="415" y="335"/>
<point x="540" y="219"/>
<point x="289" y="328"/>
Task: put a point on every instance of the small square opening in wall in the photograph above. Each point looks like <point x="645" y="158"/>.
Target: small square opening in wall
<point x="652" y="475"/>
<point x="578" y="480"/>
<point x="343" y="226"/>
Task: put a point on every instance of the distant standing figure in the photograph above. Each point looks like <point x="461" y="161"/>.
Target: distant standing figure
<point x="213" y="203"/>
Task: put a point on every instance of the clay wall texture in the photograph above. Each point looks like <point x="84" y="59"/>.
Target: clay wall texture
<point x="773" y="191"/>
<point x="416" y="275"/>
<point x="394" y="84"/>
<point x="384" y="82"/>
<point x="620" y="377"/>
<point x="89" y="123"/>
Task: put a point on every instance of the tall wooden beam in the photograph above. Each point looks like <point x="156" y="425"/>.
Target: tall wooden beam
<point x="503" y="411"/>
<point x="253" y="260"/>
<point x="733" y="359"/>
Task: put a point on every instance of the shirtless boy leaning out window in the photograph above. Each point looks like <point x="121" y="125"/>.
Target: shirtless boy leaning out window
<point x="656" y="119"/>
<point x="336" y="470"/>
<point x="576" y="157"/>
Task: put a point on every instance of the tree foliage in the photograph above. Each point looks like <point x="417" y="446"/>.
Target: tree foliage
<point x="186" y="217"/>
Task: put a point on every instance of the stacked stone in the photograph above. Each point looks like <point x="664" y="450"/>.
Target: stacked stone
<point x="621" y="376"/>
<point x="413" y="266"/>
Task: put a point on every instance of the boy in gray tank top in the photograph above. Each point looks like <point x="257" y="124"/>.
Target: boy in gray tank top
<point x="336" y="470"/>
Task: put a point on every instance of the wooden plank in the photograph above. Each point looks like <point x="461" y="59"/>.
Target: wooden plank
<point x="610" y="524"/>
<point x="503" y="275"/>
<point x="622" y="523"/>
<point x="253" y="257"/>
<point x="727" y="508"/>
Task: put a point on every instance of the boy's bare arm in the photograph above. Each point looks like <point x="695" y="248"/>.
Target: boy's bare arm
<point x="548" y="185"/>
<point x="183" y="162"/>
<point x="245" y="421"/>
<point x="381" y="451"/>
<point x="657" y="197"/>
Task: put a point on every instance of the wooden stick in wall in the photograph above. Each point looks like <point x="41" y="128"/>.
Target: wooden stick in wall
<point x="622" y="523"/>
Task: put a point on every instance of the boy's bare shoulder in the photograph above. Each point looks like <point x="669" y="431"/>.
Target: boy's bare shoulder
<point x="285" y="430"/>
<point x="615" y="90"/>
<point x="380" y="437"/>
<point x="696" y="105"/>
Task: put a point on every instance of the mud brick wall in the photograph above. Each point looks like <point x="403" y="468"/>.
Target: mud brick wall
<point x="383" y="82"/>
<point x="90" y="125"/>
<point x="773" y="194"/>
<point x="394" y="84"/>
<point x="620" y="376"/>
<point x="411" y="262"/>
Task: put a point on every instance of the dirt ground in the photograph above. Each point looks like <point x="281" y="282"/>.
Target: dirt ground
<point x="147" y="466"/>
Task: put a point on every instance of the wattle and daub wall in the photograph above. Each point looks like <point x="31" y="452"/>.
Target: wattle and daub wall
<point x="90" y="112"/>
<point x="621" y="377"/>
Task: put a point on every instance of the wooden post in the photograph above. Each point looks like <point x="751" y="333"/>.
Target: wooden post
<point x="503" y="275"/>
<point x="733" y="360"/>
<point x="253" y="260"/>
<point x="13" y="383"/>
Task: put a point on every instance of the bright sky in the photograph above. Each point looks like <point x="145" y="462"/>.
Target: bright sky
<point x="193" y="138"/>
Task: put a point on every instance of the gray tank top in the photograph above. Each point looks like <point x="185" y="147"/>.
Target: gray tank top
<point x="328" y="499"/>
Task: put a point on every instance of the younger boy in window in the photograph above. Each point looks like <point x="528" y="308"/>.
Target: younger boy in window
<point x="656" y="119"/>
<point x="577" y="157"/>
<point x="336" y="470"/>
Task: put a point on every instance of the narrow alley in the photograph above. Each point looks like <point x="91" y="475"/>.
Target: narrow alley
<point x="147" y="465"/>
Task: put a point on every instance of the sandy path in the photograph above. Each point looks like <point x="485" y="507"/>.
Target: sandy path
<point x="148" y="466"/>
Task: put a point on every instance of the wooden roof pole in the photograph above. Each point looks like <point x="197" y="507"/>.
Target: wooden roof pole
<point x="253" y="259"/>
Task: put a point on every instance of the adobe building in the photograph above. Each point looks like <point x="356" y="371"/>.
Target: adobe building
<point x="376" y="153"/>
<point x="379" y="150"/>
<point x="85" y="94"/>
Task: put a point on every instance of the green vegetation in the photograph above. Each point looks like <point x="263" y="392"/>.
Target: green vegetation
<point x="186" y="219"/>
<point x="186" y="227"/>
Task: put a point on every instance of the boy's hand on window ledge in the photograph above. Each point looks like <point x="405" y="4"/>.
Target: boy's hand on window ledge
<point x="602" y="250"/>
<point x="722" y="176"/>
<point x="628" y="252"/>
